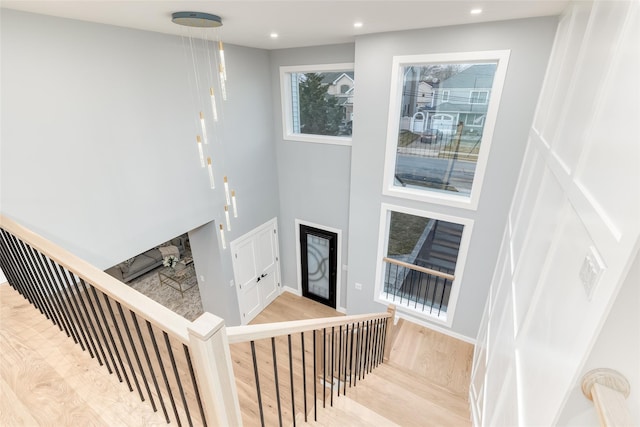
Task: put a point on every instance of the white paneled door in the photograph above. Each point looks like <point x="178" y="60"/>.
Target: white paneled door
<point x="256" y="269"/>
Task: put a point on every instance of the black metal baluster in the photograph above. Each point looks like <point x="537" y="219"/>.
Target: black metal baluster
<point x="38" y="283"/>
<point x="195" y="384"/>
<point x="177" y="375"/>
<point x="304" y="376"/>
<point x="7" y="266"/>
<point x="378" y="341"/>
<point x="387" y="283"/>
<point x="123" y="345"/>
<point x="332" y="354"/>
<point x="15" y="270"/>
<point x="111" y="340"/>
<point x="356" y="376"/>
<point x="366" y="349"/>
<point x="433" y="296"/>
<point x="75" y="310"/>
<point x="411" y="280"/>
<point x="74" y="287"/>
<point x="275" y="375"/>
<point x="99" y="327"/>
<point x="46" y="288"/>
<point x="346" y="356"/>
<point x="351" y="356"/>
<point x="56" y="284"/>
<point x="293" y="404"/>
<point x="374" y="346"/>
<point x="384" y="339"/>
<point x="339" y="357"/>
<point x="324" y="367"/>
<point x="255" y="372"/>
<point x="149" y="365"/>
<point x="315" y="396"/>
<point x="19" y="257"/>
<point x="162" y="371"/>
<point x="444" y="291"/>
<point x="395" y="285"/>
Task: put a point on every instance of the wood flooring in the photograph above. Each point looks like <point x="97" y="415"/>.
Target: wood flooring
<point x="45" y="379"/>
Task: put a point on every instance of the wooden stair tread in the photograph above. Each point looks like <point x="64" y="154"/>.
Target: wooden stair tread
<point x="403" y="400"/>
<point x="345" y="412"/>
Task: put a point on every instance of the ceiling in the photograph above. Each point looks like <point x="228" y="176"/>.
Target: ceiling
<point x="297" y="22"/>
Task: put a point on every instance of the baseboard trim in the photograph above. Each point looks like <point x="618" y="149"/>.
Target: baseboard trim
<point x="436" y="328"/>
<point x="299" y="293"/>
<point x="292" y="290"/>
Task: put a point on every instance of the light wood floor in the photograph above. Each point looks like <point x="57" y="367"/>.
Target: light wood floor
<point x="45" y="379"/>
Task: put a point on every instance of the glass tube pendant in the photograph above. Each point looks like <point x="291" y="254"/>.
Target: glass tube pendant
<point x="200" y="152"/>
<point x="226" y="191"/>
<point x="226" y="217"/>
<point x="233" y="203"/>
<point x="204" y="128"/>
<point x="214" y="109"/>
<point x="223" y="86"/>
<point x="222" y="239"/>
<point x="210" y="170"/>
<point x="222" y="62"/>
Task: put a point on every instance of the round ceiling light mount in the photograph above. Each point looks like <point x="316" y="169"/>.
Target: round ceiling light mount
<point x="196" y="19"/>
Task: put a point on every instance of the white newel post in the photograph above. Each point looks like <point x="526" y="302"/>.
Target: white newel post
<point x="211" y="359"/>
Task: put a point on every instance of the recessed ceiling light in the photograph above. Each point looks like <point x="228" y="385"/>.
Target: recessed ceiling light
<point x="273" y="35"/>
<point x="357" y="25"/>
<point x="476" y="11"/>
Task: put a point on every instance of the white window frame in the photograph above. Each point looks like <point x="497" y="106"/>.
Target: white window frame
<point x="445" y="95"/>
<point x="395" y="102"/>
<point x="486" y="92"/>
<point x="287" y="108"/>
<point x="383" y="237"/>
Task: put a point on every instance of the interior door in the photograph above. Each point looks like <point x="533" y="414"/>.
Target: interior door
<point x="256" y="269"/>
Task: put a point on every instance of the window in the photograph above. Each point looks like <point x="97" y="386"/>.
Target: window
<point x="317" y="103"/>
<point x="421" y="260"/>
<point x="478" y="97"/>
<point x="437" y="151"/>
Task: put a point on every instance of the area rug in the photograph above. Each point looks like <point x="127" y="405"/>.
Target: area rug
<point x="188" y="305"/>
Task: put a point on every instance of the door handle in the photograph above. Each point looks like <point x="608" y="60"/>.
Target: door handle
<point x="262" y="276"/>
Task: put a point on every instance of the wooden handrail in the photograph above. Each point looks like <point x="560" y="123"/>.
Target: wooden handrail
<point x="420" y="269"/>
<point x="246" y="333"/>
<point x="154" y="312"/>
<point x="608" y="390"/>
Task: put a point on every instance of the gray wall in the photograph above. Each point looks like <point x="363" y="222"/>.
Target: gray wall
<point x="313" y="178"/>
<point x="530" y="41"/>
<point x="98" y="138"/>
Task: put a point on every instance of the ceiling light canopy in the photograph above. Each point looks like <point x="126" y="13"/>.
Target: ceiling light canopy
<point x="357" y="24"/>
<point x="476" y="11"/>
<point x="196" y="19"/>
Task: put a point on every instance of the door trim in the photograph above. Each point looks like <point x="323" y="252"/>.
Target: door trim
<point x="338" y="232"/>
<point x="271" y="224"/>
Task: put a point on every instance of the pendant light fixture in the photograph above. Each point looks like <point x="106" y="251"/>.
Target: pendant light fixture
<point x="205" y="50"/>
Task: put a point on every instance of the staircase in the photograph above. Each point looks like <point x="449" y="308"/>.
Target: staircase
<point x="198" y="373"/>
<point x="440" y="251"/>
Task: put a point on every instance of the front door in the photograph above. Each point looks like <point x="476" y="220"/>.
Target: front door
<point x="256" y="269"/>
<point x="318" y="261"/>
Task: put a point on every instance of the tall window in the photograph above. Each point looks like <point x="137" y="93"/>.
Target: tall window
<point x="421" y="260"/>
<point x="436" y="151"/>
<point x="317" y="103"/>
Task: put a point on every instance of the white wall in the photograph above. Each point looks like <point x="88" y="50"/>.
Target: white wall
<point x="579" y="189"/>
<point x="529" y="41"/>
<point x="617" y="347"/>
<point x="98" y="138"/>
<point x="313" y="178"/>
